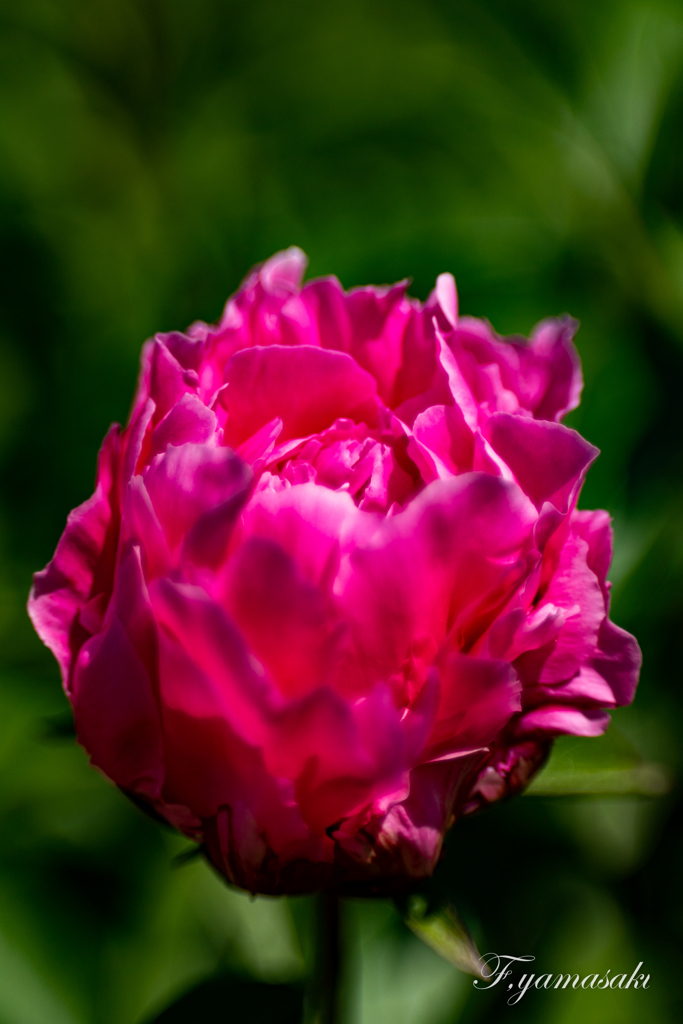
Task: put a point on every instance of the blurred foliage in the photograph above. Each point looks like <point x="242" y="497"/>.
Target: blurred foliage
<point x="150" y="152"/>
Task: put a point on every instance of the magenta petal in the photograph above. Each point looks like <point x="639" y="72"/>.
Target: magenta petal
<point x="379" y="317"/>
<point x="442" y="444"/>
<point x="113" y="696"/>
<point x="340" y="756"/>
<point x="141" y="526"/>
<point x="218" y="649"/>
<point x="289" y="625"/>
<point x="326" y="304"/>
<point x="596" y="529"/>
<point x="314" y="525"/>
<point x="305" y="387"/>
<point x="415" y="377"/>
<point x="188" y="421"/>
<point x="443" y="302"/>
<point x="478" y="698"/>
<point x="189" y="351"/>
<point x="169" y="381"/>
<point x="575" y="589"/>
<point x="208" y="763"/>
<point x="548" y="460"/>
<point x="282" y="273"/>
<point x="191" y="479"/>
<point x="435" y="569"/>
<point x="563" y="720"/>
<point x="551" y="379"/>
<point x="411" y="832"/>
<point x="256" y="449"/>
<point x="617" y="660"/>
<point x="82" y="565"/>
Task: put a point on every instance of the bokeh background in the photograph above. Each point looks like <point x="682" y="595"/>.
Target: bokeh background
<point x="151" y="151"/>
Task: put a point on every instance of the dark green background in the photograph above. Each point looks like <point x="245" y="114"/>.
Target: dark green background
<point x="150" y="152"/>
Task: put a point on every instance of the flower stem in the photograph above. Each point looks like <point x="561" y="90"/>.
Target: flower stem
<point x="328" y="958"/>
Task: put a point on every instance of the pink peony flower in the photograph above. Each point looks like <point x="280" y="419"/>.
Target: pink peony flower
<point x="332" y="589"/>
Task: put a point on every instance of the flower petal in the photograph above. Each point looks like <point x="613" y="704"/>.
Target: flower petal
<point x="305" y="387"/>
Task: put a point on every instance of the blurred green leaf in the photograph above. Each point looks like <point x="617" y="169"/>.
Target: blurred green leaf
<point x="644" y="780"/>
<point x="604" y="766"/>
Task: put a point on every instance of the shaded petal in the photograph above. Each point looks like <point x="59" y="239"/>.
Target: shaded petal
<point x="575" y="589"/>
<point x="82" y="566"/>
<point x="192" y="479"/>
<point x="341" y="756"/>
<point x="288" y="623"/>
<point x="113" y="690"/>
<point x="378" y="318"/>
<point x="617" y="660"/>
<point x="478" y="698"/>
<point x="208" y="763"/>
<point x="326" y="304"/>
<point x="140" y="525"/>
<point x="218" y="649"/>
<point x="169" y="381"/>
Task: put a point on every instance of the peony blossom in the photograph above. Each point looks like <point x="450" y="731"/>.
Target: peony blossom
<point x="332" y="590"/>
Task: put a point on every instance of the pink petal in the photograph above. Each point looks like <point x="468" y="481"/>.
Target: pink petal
<point x="189" y="351"/>
<point x="208" y="762"/>
<point x="617" y="660"/>
<point x="286" y="620"/>
<point x="192" y="479"/>
<point x="314" y="525"/>
<point x="478" y="698"/>
<point x="437" y="568"/>
<point x="575" y="589"/>
<point x="378" y="319"/>
<point x="548" y="460"/>
<point x="215" y="645"/>
<point x="188" y="421"/>
<point x="82" y="566"/>
<point x="141" y="526"/>
<point x="282" y="273"/>
<point x="113" y="697"/>
<point x="551" y="370"/>
<point x="563" y="720"/>
<point x="169" y="380"/>
<point x="326" y="304"/>
<point x="306" y="387"/>
<point x="442" y="443"/>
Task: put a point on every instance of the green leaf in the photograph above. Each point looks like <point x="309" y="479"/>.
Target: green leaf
<point x="446" y="933"/>
<point x="645" y="779"/>
<point x="606" y="766"/>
